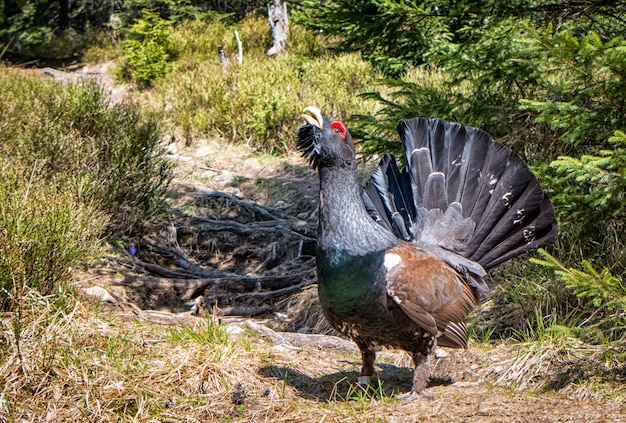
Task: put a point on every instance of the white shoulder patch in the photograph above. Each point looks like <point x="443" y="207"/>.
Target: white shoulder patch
<point x="392" y="260"/>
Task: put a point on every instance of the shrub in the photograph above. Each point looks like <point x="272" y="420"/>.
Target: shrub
<point x="44" y="234"/>
<point x="258" y="103"/>
<point x="71" y="165"/>
<point x="146" y="49"/>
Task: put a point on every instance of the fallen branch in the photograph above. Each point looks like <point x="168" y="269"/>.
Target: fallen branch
<point x="245" y="310"/>
<point x="189" y="288"/>
<point x="252" y="207"/>
<point x="263" y="294"/>
<point x="201" y="224"/>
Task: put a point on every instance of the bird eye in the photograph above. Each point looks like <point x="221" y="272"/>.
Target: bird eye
<point x="339" y="129"/>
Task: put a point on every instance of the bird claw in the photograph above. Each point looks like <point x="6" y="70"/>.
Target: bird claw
<point x="412" y="396"/>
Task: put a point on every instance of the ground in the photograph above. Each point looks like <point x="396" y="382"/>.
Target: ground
<point x="212" y="316"/>
<point x="291" y="376"/>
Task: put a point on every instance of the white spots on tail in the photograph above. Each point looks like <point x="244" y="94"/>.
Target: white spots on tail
<point x="392" y="260"/>
<point x="507" y="199"/>
<point x="529" y="234"/>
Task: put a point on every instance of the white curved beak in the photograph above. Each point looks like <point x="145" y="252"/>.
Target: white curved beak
<point x="313" y="116"/>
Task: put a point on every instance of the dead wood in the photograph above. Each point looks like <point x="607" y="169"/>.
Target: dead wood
<point x="252" y="207"/>
<point x="244" y="266"/>
<point x="245" y="310"/>
<point x="187" y="288"/>
<point x="199" y="224"/>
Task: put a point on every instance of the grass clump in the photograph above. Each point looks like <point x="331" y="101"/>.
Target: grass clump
<point x="44" y="235"/>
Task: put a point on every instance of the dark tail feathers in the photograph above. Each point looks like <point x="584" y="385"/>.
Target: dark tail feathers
<point x="462" y="192"/>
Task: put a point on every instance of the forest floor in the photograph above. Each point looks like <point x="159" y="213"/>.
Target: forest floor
<point x="212" y="316"/>
<point x="300" y="374"/>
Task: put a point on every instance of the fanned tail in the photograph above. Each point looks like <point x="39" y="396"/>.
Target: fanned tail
<point x="462" y="194"/>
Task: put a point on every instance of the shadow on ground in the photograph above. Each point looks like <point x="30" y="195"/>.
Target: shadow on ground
<point x="342" y="386"/>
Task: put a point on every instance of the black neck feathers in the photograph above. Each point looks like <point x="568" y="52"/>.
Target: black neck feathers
<point x="344" y="222"/>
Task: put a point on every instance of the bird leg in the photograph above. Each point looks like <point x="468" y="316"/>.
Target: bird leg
<point x="367" y="371"/>
<point x="420" y="379"/>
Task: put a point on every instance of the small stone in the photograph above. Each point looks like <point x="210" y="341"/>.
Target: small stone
<point x="99" y="293"/>
<point x="208" y="174"/>
<point x="225" y="178"/>
<point x="234" y="330"/>
<point x="439" y="353"/>
<point x="171" y="149"/>
<point x="235" y="192"/>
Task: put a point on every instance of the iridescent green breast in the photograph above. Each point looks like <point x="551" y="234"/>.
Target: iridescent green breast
<point x="344" y="278"/>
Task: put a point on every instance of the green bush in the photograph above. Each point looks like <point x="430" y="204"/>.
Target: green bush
<point x="146" y="49"/>
<point x="71" y="167"/>
<point x="260" y="102"/>
<point x="44" y="234"/>
<point x="602" y="298"/>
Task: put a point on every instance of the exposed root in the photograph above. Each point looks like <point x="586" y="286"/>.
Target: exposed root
<point x="237" y="258"/>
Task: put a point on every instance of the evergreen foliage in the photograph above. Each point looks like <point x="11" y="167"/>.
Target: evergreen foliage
<point x="546" y="78"/>
<point x="147" y="50"/>
<point x="603" y="297"/>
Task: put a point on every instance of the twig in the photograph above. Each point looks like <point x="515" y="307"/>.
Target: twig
<point x="7" y="45"/>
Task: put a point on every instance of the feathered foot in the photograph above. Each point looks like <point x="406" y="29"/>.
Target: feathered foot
<point x="412" y="396"/>
<point x="420" y="380"/>
<point x="367" y="371"/>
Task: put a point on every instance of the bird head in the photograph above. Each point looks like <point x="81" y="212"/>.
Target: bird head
<point x="325" y="142"/>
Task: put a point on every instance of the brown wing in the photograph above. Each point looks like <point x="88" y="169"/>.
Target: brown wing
<point x="430" y="292"/>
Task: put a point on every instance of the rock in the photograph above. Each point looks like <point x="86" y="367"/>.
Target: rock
<point x="235" y="192"/>
<point x="171" y="149"/>
<point x="439" y="353"/>
<point x="208" y="174"/>
<point x="99" y="293"/>
<point x="225" y="178"/>
<point x="280" y="316"/>
<point x="497" y="370"/>
<point x="234" y="330"/>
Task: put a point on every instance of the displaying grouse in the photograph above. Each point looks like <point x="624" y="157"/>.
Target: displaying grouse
<point x="401" y="263"/>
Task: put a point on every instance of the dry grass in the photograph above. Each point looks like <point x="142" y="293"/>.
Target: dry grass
<point x="83" y="363"/>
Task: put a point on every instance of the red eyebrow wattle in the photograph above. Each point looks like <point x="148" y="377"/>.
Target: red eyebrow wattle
<point x="340" y="127"/>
